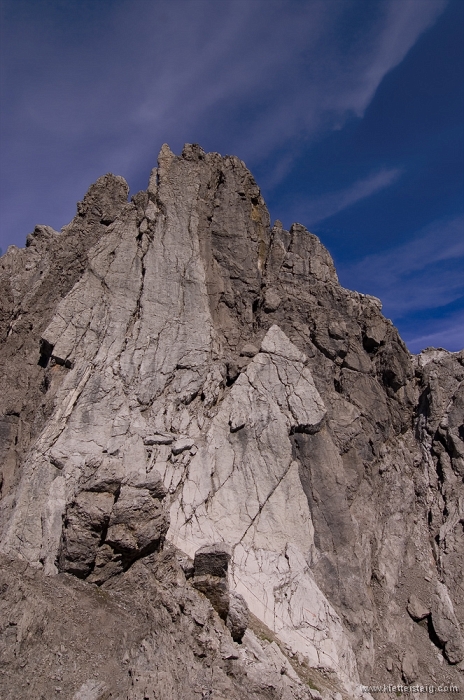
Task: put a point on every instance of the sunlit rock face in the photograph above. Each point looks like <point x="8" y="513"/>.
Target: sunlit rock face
<point x="179" y="373"/>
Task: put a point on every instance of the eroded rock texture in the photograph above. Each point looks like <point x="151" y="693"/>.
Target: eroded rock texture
<point x="183" y="381"/>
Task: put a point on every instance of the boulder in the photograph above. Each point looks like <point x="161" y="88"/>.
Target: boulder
<point x="446" y="625"/>
<point x="212" y="560"/>
<point x="238" y="616"/>
<point x="417" y="609"/>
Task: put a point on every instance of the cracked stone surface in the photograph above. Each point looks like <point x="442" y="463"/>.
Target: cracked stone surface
<point x="178" y="373"/>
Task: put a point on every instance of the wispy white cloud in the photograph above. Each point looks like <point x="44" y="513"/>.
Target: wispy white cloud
<point x="252" y="78"/>
<point x="324" y="83"/>
<point x="395" y="33"/>
<point x="447" y="334"/>
<point x="424" y="273"/>
<point x="334" y="202"/>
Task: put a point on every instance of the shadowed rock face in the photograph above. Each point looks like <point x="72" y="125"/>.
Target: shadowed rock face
<point x="178" y="371"/>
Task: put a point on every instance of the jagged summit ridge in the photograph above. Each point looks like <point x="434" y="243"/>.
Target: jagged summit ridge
<point x="184" y="374"/>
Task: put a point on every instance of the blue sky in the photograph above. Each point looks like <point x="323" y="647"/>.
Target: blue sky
<point x="349" y="113"/>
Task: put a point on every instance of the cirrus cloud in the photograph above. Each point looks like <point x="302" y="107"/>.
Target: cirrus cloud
<point x="89" y="87"/>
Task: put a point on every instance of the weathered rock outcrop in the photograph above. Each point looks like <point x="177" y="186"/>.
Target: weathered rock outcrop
<point x="183" y="382"/>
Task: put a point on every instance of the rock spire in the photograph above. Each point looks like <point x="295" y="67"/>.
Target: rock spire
<point x="228" y="462"/>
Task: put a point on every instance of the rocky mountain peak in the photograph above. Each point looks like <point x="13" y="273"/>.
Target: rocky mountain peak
<point x="204" y="433"/>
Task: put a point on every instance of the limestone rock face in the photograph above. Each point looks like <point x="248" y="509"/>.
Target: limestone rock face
<point x="200" y="423"/>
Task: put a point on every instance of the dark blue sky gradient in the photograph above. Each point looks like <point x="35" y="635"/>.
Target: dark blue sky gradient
<point x="348" y="113"/>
